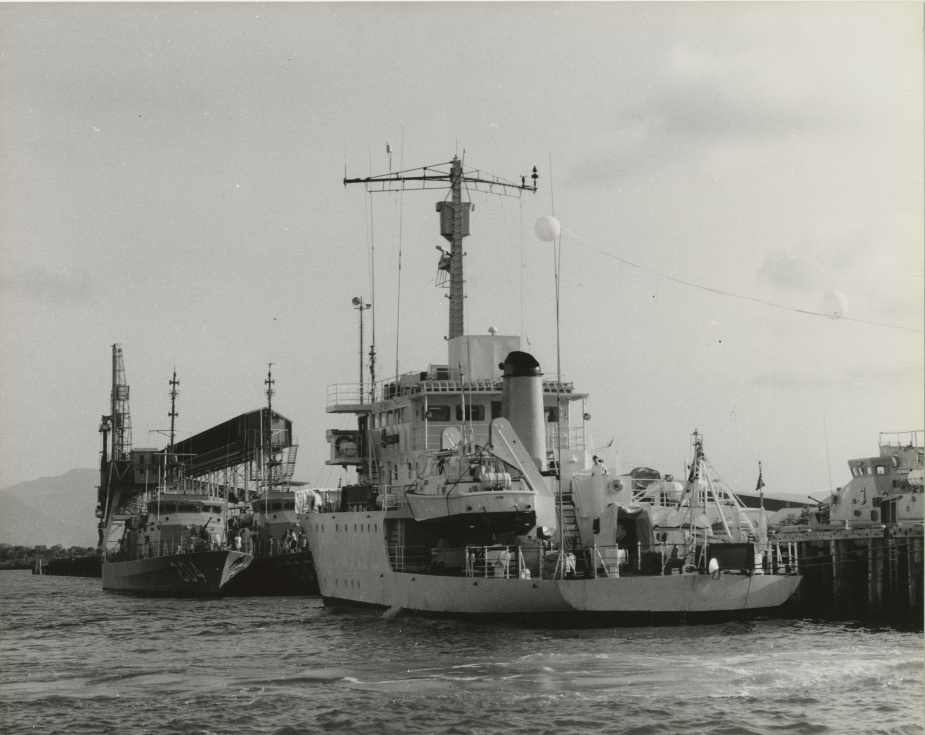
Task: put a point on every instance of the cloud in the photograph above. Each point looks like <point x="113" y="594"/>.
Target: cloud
<point x="776" y="78"/>
<point x="877" y="264"/>
<point x="871" y="378"/>
<point x="699" y="107"/>
<point x="788" y="271"/>
<point x="52" y="285"/>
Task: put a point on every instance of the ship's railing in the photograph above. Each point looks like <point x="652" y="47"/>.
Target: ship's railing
<point x="573" y="438"/>
<point x="542" y="560"/>
<point x="506" y="562"/>
<point x="576" y="437"/>
<point x="616" y="560"/>
<point x="317" y="500"/>
<point x="173" y="547"/>
<point x="352" y="394"/>
<point x="667" y="559"/>
<point x="780" y="558"/>
<point x="409" y="558"/>
<point x="392" y="497"/>
<point x="911" y="439"/>
<point x="270" y="547"/>
<point x="152" y="550"/>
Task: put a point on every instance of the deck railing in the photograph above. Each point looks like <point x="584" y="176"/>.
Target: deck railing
<point x="505" y="562"/>
<point x="410" y="558"/>
<point x="351" y="394"/>
<point x="173" y="547"/>
<point x="393" y="497"/>
<point x="152" y="550"/>
<point x="540" y="561"/>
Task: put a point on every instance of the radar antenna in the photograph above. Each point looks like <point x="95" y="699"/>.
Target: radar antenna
<point x="454" y="214"/>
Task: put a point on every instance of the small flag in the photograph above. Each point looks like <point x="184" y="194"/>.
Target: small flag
<point x="608" y="445"/>
<point x="760" y="481"/>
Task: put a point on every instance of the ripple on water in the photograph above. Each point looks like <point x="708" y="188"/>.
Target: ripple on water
<point x="288" y="666"/>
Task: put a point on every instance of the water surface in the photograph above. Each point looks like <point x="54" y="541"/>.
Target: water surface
<point x="77" y="660"/>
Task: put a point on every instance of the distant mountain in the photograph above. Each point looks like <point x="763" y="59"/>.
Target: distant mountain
<point x="50" y="510"/>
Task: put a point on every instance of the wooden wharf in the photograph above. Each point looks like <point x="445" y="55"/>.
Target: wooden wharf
<point x="79" y="566"/>
<point x="871" y="573"/>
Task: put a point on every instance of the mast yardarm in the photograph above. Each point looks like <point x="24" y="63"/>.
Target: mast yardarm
<point x="454" y="212"/>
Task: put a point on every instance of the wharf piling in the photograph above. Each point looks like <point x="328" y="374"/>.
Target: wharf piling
<point x="871" y="573"/>
<point x="80" y="566"/>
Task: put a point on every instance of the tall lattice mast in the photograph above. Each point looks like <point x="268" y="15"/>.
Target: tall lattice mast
<point x="454" y="212"/>
<point x="270" y="462"/>
<point x="121" y="417"/>
<point x="269" y="382"/>
<point x="173" y="464"/>
<point x="173" y="406"/>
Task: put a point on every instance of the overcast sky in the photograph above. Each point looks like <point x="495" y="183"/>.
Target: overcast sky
<point x="171" y="180"/>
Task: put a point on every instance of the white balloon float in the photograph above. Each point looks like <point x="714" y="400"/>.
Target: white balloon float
<point x="834" y="304"/>
<point x="547" y="228"/>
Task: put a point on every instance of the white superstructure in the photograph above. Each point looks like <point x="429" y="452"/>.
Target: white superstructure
<point x="475" y="494"/>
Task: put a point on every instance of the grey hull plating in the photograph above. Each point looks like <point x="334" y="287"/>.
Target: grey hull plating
<point x="199" y="573"/>
<point x="352" y="563"/>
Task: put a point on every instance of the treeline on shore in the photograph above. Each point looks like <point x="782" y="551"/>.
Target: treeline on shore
<point x="23" y="557"/>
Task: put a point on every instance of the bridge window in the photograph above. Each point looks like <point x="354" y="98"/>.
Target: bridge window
<point x="881" y="470"/>
<point x="439" y="413"/>
<point x="473" y="413"/>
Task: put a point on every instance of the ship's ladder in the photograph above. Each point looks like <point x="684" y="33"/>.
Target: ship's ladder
<point x="290" y="463"/>
<point x="571" y="541"/>
<point x="372" y="461"/>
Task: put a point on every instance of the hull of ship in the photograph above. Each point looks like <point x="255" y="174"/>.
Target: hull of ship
<point x="282" y="574"/>
<point x="353" y="568"/>
<point x="200" y="573"/>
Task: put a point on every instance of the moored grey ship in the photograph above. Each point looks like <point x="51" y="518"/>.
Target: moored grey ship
<point x="158" y="534"/>
<point x="476" y="494"/>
